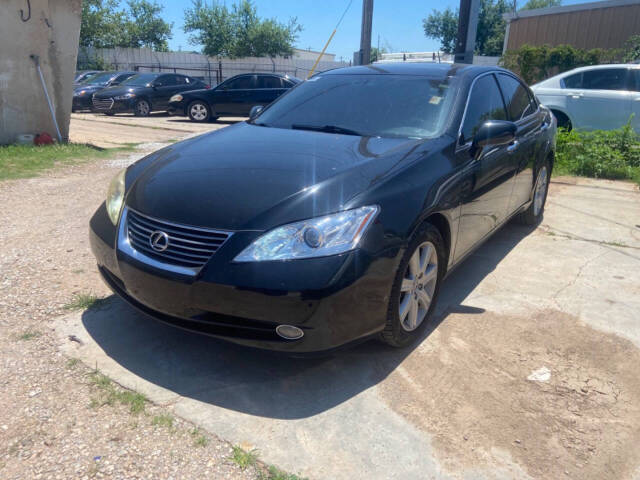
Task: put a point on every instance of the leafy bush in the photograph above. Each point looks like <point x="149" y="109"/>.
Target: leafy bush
<point x="613" y="154"/>
<point x="535" y="64"/>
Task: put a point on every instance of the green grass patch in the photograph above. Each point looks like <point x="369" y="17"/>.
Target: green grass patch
<point x="29" y="335"/>
<point x="108" y="394"/>
<point x="73" y="362"/>
<point x="84" y="301"/>
<point x="242" y="458"/>
<point x="274" y="473"/>
<point x="26" y="161"/>
<point x="199" y="440"/>
<point x="612" y="154"/>
<point x="162" y="421"/>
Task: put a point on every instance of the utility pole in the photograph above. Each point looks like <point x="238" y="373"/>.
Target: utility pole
<point x="365" y="33"/>
<point x="467" y="28"/>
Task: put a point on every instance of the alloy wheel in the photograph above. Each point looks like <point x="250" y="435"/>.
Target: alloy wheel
<point x="418" y="286"/>
<point x="198" y="112"/>
<point x="541" y="190"/>
<point x="143" y="108"/>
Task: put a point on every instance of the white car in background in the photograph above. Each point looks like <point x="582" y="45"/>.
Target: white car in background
<point x="601" y="97"/>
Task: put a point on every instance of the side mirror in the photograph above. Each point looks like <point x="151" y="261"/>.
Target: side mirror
<point x="494" y="133"/>
<point x="255" y="111"/>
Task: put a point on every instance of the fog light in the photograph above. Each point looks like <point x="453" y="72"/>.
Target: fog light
<point x="289" y="332"/>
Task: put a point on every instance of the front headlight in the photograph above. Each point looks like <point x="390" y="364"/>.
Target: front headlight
<point x="80" y="93"/>
<point x="317" y="237"/>
<point x="125" y="96"/>
<point x="176" y="98"/>
<point x="115" y="196"/>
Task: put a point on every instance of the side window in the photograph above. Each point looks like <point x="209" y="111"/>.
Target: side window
<point x="181" y="79"/>
<point x="121" y="78"/>
<point x="605" y="79"/>
<point x="485" y="103"/>
<point x="267" y="81"/>
<point x="516" y="97"/>
<point x="241" y="83"/>
<point x="573" y="81"/>
<point x="166" y="81"/>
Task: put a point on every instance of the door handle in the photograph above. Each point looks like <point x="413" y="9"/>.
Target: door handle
<point x="577" y="95"/>
<point x="513" y="146"/>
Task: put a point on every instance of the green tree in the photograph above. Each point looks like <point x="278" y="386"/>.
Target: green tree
<point x="632" y="49"/>
<point x="102" y="25"/>
<point x="377" y="54"/>
<point x="533" y="4"/>
<point x="146" y="28"/>
<point x="239" y="31"/>
<point x="105" y="25"/>
<point x="443" y="26"/>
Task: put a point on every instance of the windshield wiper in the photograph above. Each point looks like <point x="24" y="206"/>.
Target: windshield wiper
<point x="326" y="129"/>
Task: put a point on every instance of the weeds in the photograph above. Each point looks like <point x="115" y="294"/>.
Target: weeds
<point x="163" y="421"/>
<point x="84" y="301"/>
<point x="242" y="458"/>
<point x="29" y="335"/>
<point x="73" y="362"/>
<point x="110" y="395"/>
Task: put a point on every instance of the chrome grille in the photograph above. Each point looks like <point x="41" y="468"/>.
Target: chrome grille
<point x="188" y="246"/>
<point x="102" y="103"/>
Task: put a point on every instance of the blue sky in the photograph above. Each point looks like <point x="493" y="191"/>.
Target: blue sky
<point x="397" y="22"/>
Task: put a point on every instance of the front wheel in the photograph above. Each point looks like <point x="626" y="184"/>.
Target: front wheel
<point x="199" y="112"/>
<point x="416" y="287"/>
<point x="533" y="215"/>
<point x="142" y="108"/>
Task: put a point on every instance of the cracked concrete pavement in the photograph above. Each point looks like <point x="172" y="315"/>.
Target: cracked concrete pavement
<point x="458" y="404"/>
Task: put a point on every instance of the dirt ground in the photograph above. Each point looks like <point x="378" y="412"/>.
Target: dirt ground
<point x="531" y="389"/>
<point x="53" y="423"/>
<point x="583" y="422"/>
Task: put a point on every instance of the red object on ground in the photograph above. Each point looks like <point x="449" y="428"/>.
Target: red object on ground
<point x="43" y="139"/>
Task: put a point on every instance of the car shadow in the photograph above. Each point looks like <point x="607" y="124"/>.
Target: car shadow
<point x="269" y="384"/>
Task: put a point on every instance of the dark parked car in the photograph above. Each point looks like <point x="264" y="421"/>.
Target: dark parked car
<point x="335" y="214"/>
<point x="144" y="93"/>
<point x="233" y="97"/>
<point x="83" y="75"/>
<point x="83" y="93"/>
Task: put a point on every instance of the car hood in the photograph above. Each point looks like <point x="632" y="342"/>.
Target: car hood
<point x="116" y="91"/>
<point x="87" y="88"/>
<point x="247" y="177"/>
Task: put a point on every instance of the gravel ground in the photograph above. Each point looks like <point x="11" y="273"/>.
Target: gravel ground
<point x="57" y="419"/>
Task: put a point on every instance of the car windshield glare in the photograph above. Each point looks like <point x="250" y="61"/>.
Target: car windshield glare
<point x="99" y="79"/>
<point x="405" y="106"/>
<point x="141" y="79"/>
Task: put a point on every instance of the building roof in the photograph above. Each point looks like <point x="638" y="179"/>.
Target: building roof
<point x="568" y="8"/>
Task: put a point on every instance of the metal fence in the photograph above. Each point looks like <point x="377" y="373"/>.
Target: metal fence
<point x="209" y="69"/>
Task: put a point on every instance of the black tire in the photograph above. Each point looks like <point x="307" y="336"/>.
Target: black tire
<point x="142" y="108"/>
<point x="562" y="119"/>
<point x="533" y="215"/>
<point x="199" y="112"/>
<point x="394" y="333"/>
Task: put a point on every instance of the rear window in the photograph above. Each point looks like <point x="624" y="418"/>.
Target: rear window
<point x="269" y="82"/>
<point x="598" y="79"/>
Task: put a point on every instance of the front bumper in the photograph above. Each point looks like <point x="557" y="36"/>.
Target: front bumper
<point x="334" y="300"/>
<point x="112" y="105"/>
<point x="177" y="108"/>
<point x="82" y="102"/>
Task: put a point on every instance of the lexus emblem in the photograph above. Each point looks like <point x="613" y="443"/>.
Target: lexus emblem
<point x="159" y="241"/>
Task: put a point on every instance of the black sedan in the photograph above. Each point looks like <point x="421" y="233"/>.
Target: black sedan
<point x="83" y="76"/>
<point x="336" y="213"/>
<point x="83" y="93"/>
<point x="234" y="97"/>
<point x="144" y="93"/>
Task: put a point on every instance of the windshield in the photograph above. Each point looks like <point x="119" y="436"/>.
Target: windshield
<point x="141" y="79"/>
<point x="99" y="79"/>
<point x="367" y="105"/>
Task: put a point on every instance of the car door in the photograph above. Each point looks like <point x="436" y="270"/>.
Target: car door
<point x="164" y="87"/>
<point x="487" y="179"/>
<point x="268" y="88"/>
<point x="522" y="109"/>
<point x="634" y="88"/>
<point x="598" y="99"/>
<point x="235" y="95"/>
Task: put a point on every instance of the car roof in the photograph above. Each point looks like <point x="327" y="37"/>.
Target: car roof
<point x="597" y="67"/>
<point x="427" y="69"/>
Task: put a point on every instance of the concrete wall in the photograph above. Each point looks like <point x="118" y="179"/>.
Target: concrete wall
<point x="52" y="33"/>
